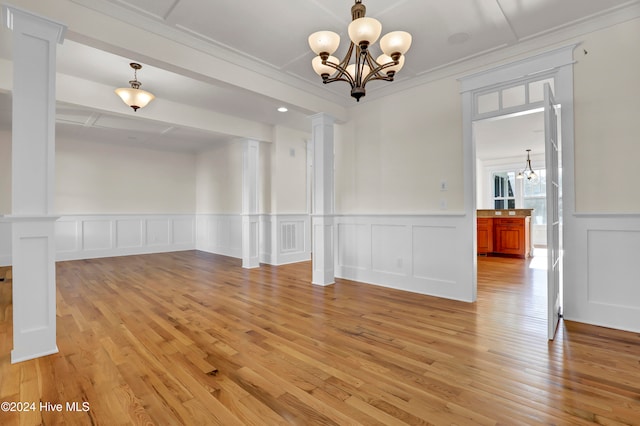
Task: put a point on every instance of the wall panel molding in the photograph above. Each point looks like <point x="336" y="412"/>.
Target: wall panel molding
<point x="606" y="290"/>
<point x="219" y="234"/>
<point x="92" y="236"/>
<point x="417" y="253"/>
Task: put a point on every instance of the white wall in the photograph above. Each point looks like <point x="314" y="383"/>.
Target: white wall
<point x="100" y="178"/>
<point x="289" y="171"/>
<point x="394" y="152"/>
<point x="607" y="124"/>
<point x="395" y="227"/>
<point x="284" y="223"/>
<point x="602" y="265"/>
<point x="219" y="180"/>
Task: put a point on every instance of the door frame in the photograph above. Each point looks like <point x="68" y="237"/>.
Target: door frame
<point x="557" y="63"/>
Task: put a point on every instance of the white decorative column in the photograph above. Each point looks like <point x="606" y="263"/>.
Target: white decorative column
<point x="323" y="200"/>
<point x="33" y="179"/>
<point x="250" y="216"/>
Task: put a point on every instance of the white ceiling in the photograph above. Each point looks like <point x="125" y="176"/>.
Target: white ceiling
<point x="509" y="137"/>
<point x="271" y="36"/>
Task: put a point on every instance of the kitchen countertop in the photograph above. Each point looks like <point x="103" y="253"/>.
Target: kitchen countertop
<point x="504" y="213"/>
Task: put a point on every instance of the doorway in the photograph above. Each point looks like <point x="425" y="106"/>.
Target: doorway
<point x="514" y="89"/>
<point x="501" y="157"/>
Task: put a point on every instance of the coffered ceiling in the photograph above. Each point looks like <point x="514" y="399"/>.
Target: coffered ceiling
<point x="269" y="39"/>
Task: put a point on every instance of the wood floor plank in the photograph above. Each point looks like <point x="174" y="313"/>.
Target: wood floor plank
<point x="192" y="338"/>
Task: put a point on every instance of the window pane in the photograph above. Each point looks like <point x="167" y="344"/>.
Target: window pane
<point x="536" y="189"/>
<point x="539" y="214"/>
<point x="513" y="96"/>
<point x="488" y="102"/>
<point x="536" y="90"/>
<point x="503" y="190"/>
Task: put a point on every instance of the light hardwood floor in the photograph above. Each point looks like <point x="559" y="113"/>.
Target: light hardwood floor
<point x="192" y="338"/>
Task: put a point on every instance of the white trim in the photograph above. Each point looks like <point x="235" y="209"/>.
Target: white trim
<point x="532" y="66"/>
<point x="558" y="63"/>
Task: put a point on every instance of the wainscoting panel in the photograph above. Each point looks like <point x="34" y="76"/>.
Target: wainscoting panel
<point x="284" y="238"/>
<point x="157" y="232"/>
<point x="183" y="230"/>
<point x="129" y="233"/>
<point x="434" y="253"/>
<point x="601" y="285"/>
<point x="354" y="250"/>
<point x="389" y="245"/>
<point x="419" y="253"/>
<point x="86" y="237"/>
<point x="219" y="234"/>
<point x="96" y="234"/>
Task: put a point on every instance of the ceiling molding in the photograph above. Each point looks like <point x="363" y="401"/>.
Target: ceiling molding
<point x="528" y="47"/>
<point x="208" y="46"/>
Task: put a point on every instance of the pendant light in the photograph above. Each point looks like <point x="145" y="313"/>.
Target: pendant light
<point x="528" y="171"/>
<point x="133" y="96"/>
<point x="362" y="68"/>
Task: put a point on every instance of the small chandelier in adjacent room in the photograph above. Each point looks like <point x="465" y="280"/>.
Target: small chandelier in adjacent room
<point x="363" y="32"/>
<point x="528" y="171"/>
<point x="134" y="96"/>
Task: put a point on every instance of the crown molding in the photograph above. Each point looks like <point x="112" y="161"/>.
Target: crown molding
<point x="523" y="48"/>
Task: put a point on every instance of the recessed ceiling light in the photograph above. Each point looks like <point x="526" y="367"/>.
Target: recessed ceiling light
<point x="458" y="38"/>
<point x="283" y="109"/>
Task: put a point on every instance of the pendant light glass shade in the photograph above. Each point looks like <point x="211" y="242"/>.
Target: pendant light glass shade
<point x="396" y="42"/>
<point x="351" y="69"/>
<point x="324" y="42"/>
<point x="364" y="30"/>
<point x="385" y="59"/>
<point x="322" y="69"/>
<point x="133" y="96"/>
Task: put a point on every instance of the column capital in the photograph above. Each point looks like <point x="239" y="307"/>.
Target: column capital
<point x="322" y="118"/>
<point x="15" y="16"/>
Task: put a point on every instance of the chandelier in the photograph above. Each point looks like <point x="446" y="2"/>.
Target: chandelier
<point x="134" y="96"/>
<point x="363" y="32"/>
<point x="528" y="171"/>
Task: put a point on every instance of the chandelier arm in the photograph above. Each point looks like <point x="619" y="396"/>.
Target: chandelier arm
<point x="342" y="68"/>
<point x="342" y="73"/>
<point x="375" y="73"/>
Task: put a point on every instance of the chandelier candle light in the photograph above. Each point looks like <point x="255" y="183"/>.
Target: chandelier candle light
<point x="363" y="32"/>
<point x="134" y="96"/>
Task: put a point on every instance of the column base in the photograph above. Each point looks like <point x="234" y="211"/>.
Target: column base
<point x="323" y="272"/>
<point x="34" y="287"/>
<point x="250" y="241"/>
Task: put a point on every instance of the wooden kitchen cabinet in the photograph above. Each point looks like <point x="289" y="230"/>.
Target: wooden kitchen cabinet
<point x="512" y="236"/>
<point x="509" y="236"/>
<point x="485" y="235"/>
